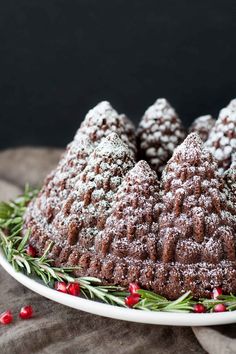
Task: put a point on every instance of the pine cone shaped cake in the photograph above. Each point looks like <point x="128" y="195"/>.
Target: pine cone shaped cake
<point x="222" y="138"/>
<point x="159" y="132"/>
<point x="103" y="120"/>
<point x="197" y="238"/>
<point x="126" y="248"/>
<point x="99" y="122"/>
<point x="85" y="209"/>
<point x="202" y="125"/>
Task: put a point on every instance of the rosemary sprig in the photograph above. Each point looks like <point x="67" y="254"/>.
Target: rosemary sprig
<point x="228" y="300"/>
<point x="14" y="241"/>
<point x="154" y="302"/>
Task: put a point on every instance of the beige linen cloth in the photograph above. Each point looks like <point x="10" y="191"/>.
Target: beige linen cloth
<point x="59" y="329"/>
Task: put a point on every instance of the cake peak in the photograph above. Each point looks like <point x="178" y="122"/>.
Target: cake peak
<point x="202" y="125"/>
<point x="161" y="107"/>
<point x="142" y="170"/>
<point x="193" y="140"/>
<point x="102" y="110"/>
<point x="190" y="150"/>
<point x="232" y="104"/>
<point x="102" y="120"/>
<point x="112" y="145"/>
<point x="162" y="103"/>
<point x="160" y="131"/>
<point x="222" y="138"/>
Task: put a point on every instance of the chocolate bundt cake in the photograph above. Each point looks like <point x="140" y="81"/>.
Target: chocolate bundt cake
<point x="81" y="209"/>
<point x="222" y="138"/>
<point x="99" y="123"/>
<point x="159" y="132"/>
<point x="202" y="125"/>
<point x="115" y="221"/>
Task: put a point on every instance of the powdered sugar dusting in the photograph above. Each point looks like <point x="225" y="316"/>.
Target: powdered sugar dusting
<point x="131" y="230"/>
<point x="115" y="221"/>
<point x="102" y="120"/>
<point x="142" y="170"/>
<point x="161" y="108"/>
<point x="222" y="139"/>
<point x="159" y="132"/>
<point x="195" y="207"/>
<point x="94" y="191"/>
<point x="232" y="104"/>
<point x="113" y="144"/>
<point x="190" y="148"/>
<point x="230" y="184"/>
<point x="101" y="111"/>
<point x="202" y="125"/>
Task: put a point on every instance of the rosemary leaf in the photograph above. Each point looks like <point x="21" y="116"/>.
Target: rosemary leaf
<point x="24" y="240"/>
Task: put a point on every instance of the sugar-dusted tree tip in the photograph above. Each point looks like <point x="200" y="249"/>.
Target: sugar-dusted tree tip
<point x="159" y="132"/>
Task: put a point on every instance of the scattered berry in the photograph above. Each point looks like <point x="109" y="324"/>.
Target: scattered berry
<point x="73" y="289"/>
<point x="26" y="312"/>
<point x="133" y="287"/>
<point x="31" y="251"/>
<point x="199" y="308"/>
<point x="6" y="318"/>
<point x="61" y="286"/>
<point x="216" y="292"/>
<point x="219" y="308"/>
<point x="132" y="300"/>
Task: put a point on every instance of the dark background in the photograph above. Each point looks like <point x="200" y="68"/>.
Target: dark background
<point x="59" y="58"/>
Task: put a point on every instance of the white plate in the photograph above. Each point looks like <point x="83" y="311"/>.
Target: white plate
<point x="97" y="308"/>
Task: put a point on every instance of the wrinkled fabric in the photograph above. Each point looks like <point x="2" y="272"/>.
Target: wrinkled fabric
<point x="59" y="329"/>
<point x="218" y="339"/>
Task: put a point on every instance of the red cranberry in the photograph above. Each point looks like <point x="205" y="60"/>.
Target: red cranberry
<point x="133" y="287"/>
<point x="6" y="318"/>
<point x="132" y="300"/>
<point x="73" y="289"/>
<point x="61" y="286"/>
<point x="216" y="292"/>
<point x="26" y="312"/>
<point x="31" y="251"/>
<point x="199" y="308"/>
<point x="219" y="308"/>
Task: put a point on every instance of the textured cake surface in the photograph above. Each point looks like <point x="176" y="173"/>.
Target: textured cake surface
<point x="102" y="120"/>
<point x="177" y="238"/>
<point x="115" y="220"/>
<point x="196" y="226"/>
<point x="202" y="125"/>
<point x="230" y="184"/>
<point x="85" y="210"/>
<point x="81" y="209"/>
<point x="159" y="132"/>
<point x="222" y="138"/>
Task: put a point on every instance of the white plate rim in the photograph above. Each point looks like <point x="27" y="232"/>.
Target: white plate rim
<point x="119" y="313"/>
